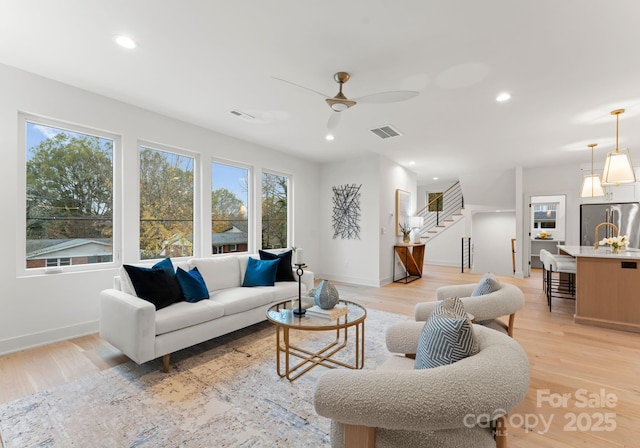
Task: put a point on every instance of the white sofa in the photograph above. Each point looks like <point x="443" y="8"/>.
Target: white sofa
<point x="133" y="325"/>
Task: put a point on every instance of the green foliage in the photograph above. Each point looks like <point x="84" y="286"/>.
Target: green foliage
<point x="274" y="211"/>
<point x="166" y="204"/>
<point x="225" y="208"/>
<point x="69" y="188"/>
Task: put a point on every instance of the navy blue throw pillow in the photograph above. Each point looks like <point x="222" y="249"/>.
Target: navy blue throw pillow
<point x="192" y="284"/>
<point x="157" y="284"/>
<point x="260" y="272"/>
<point x="284" y="272"/>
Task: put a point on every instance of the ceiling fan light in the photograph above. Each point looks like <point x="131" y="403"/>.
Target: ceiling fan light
<point x="125" y="42"/>
<point x="618" y="168"/>
<point x="339" y="107"/>
<point x="591" y="187"/>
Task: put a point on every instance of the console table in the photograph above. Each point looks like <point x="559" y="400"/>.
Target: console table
<point x="411" y="256"/>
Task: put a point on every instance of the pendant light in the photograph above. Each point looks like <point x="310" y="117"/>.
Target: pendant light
<point x="591" y="186"/>
<point x="618" y="168"/>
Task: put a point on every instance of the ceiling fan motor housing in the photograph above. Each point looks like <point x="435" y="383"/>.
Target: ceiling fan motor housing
<point x="340" y="102"/>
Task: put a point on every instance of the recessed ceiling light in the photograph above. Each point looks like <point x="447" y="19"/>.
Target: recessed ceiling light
<point x="125" y="42"/>
<point x="412" y="163"/>
<point x="329" y="137"/>
<point x="504" y="96"/>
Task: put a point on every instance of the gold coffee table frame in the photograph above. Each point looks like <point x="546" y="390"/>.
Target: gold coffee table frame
<point x="281" y="315"/>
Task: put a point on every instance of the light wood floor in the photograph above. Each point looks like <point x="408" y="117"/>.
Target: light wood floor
<point x="565" y="358"/>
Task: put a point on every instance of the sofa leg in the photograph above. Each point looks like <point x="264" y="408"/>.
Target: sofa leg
<point x="166" y="360"/>
<point x="501" y="432"/>
<point x="359" y="436"/>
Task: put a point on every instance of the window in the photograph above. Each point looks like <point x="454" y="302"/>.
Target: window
<point x="69" y="195"/>
<point x="548" y="217"/>
<point x="229" y="208"/>
<point x="166" y="204"/>
<point x="275" y="200"/>
<point x="54" y="262"/>
<point x="544" y="216"/>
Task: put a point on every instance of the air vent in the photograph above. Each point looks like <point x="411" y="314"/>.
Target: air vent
<point x="241" y="114"/>
<point x="386" y="132"/>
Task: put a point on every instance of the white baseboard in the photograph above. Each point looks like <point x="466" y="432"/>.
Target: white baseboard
<point x="443" y="263"/>
<point x="346" y="279"/>
<point x="47" y="337"/>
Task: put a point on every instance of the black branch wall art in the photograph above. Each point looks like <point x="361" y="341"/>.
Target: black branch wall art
<point x="346" y="211"/>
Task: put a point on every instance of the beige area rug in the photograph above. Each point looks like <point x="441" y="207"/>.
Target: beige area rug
<point x="222" y="393"/>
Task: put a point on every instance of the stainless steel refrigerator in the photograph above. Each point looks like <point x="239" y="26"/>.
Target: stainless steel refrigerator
<point x="626" y="216"/>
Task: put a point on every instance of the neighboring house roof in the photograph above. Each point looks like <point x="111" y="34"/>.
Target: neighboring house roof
<point x="229" y="237"/>
<point x="82" y="247"/>
<point x="76" y="247"/>
<point x="237" y="234"/>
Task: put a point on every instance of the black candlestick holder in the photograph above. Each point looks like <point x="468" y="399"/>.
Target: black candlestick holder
<point x="299" y="271"/>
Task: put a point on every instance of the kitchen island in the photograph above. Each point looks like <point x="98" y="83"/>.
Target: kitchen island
<point x="607" y="287"/>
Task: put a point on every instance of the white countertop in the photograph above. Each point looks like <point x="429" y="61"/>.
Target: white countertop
<point x="601" y="252"/>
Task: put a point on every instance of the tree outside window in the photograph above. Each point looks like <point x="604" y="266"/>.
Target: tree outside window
<point x="69" y="197"/>
<point x="275" y="190"/>
<point x="229" y="208"/>
<point x="166" y="204"/>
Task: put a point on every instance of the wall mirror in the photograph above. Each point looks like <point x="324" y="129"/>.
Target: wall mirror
<point x="403" y="202"/>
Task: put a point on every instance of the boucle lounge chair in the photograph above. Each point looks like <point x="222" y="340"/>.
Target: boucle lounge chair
<point x="486" y="309"/>
<point x="455" y="405"/>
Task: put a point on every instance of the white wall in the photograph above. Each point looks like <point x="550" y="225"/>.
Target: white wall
<point x="549" y="181"/>
<point x="445" y="249"/>
<point x="489" y="189"/>
<point x="491" y="241"/>
<point x="350" y="260"/>
<point x="37" y="310"/>
<point x="391" y="177"/>
<point x="369" y="260"/>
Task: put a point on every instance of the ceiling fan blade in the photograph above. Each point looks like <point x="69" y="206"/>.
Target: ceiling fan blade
<point x="387" y="97"/>
<point x="334" y="119"/>
<point x="302" y="87"/>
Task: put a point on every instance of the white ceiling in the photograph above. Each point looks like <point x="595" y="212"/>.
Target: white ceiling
<point x="567" y="64"/>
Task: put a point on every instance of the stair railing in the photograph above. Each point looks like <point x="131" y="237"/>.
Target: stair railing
<point x="465" y="256"/>
<point x="445" y="204"/>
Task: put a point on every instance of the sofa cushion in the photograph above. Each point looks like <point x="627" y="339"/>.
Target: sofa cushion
<point x="284" y="272"/>
<point x="220" y="272"/>
<point x="487" y="284"/>
<point x="260" y="272"/>
<point x="192" y="285"/>
<point x="447" y="336"/>
<point x="184" y="314"/>
<point x="157" y="284"/>
<point x="287" y="290"/>
<point x="237" y="300"/>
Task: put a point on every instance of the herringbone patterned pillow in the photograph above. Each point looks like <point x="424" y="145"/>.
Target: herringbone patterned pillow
<point x="447" y="336"/>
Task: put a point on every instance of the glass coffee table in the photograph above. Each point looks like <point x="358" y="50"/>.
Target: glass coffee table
<point x="281" y="315"/>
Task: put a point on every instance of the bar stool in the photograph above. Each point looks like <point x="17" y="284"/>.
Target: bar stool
<point x="558" y="287"/>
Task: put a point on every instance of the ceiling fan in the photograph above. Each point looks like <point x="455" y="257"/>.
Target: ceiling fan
<point x="340" y="102"/>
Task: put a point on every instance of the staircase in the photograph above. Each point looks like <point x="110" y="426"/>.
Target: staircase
<point x="446" y="210"/>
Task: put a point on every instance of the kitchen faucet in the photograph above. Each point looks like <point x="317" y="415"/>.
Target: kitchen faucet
<point x="615" y="229"/>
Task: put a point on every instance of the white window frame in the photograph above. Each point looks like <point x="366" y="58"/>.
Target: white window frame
<point x="289" y="205"/>
<point x="21" y="197"/>
<point x="197" y="187"/>
<point x="251" y="209"/>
